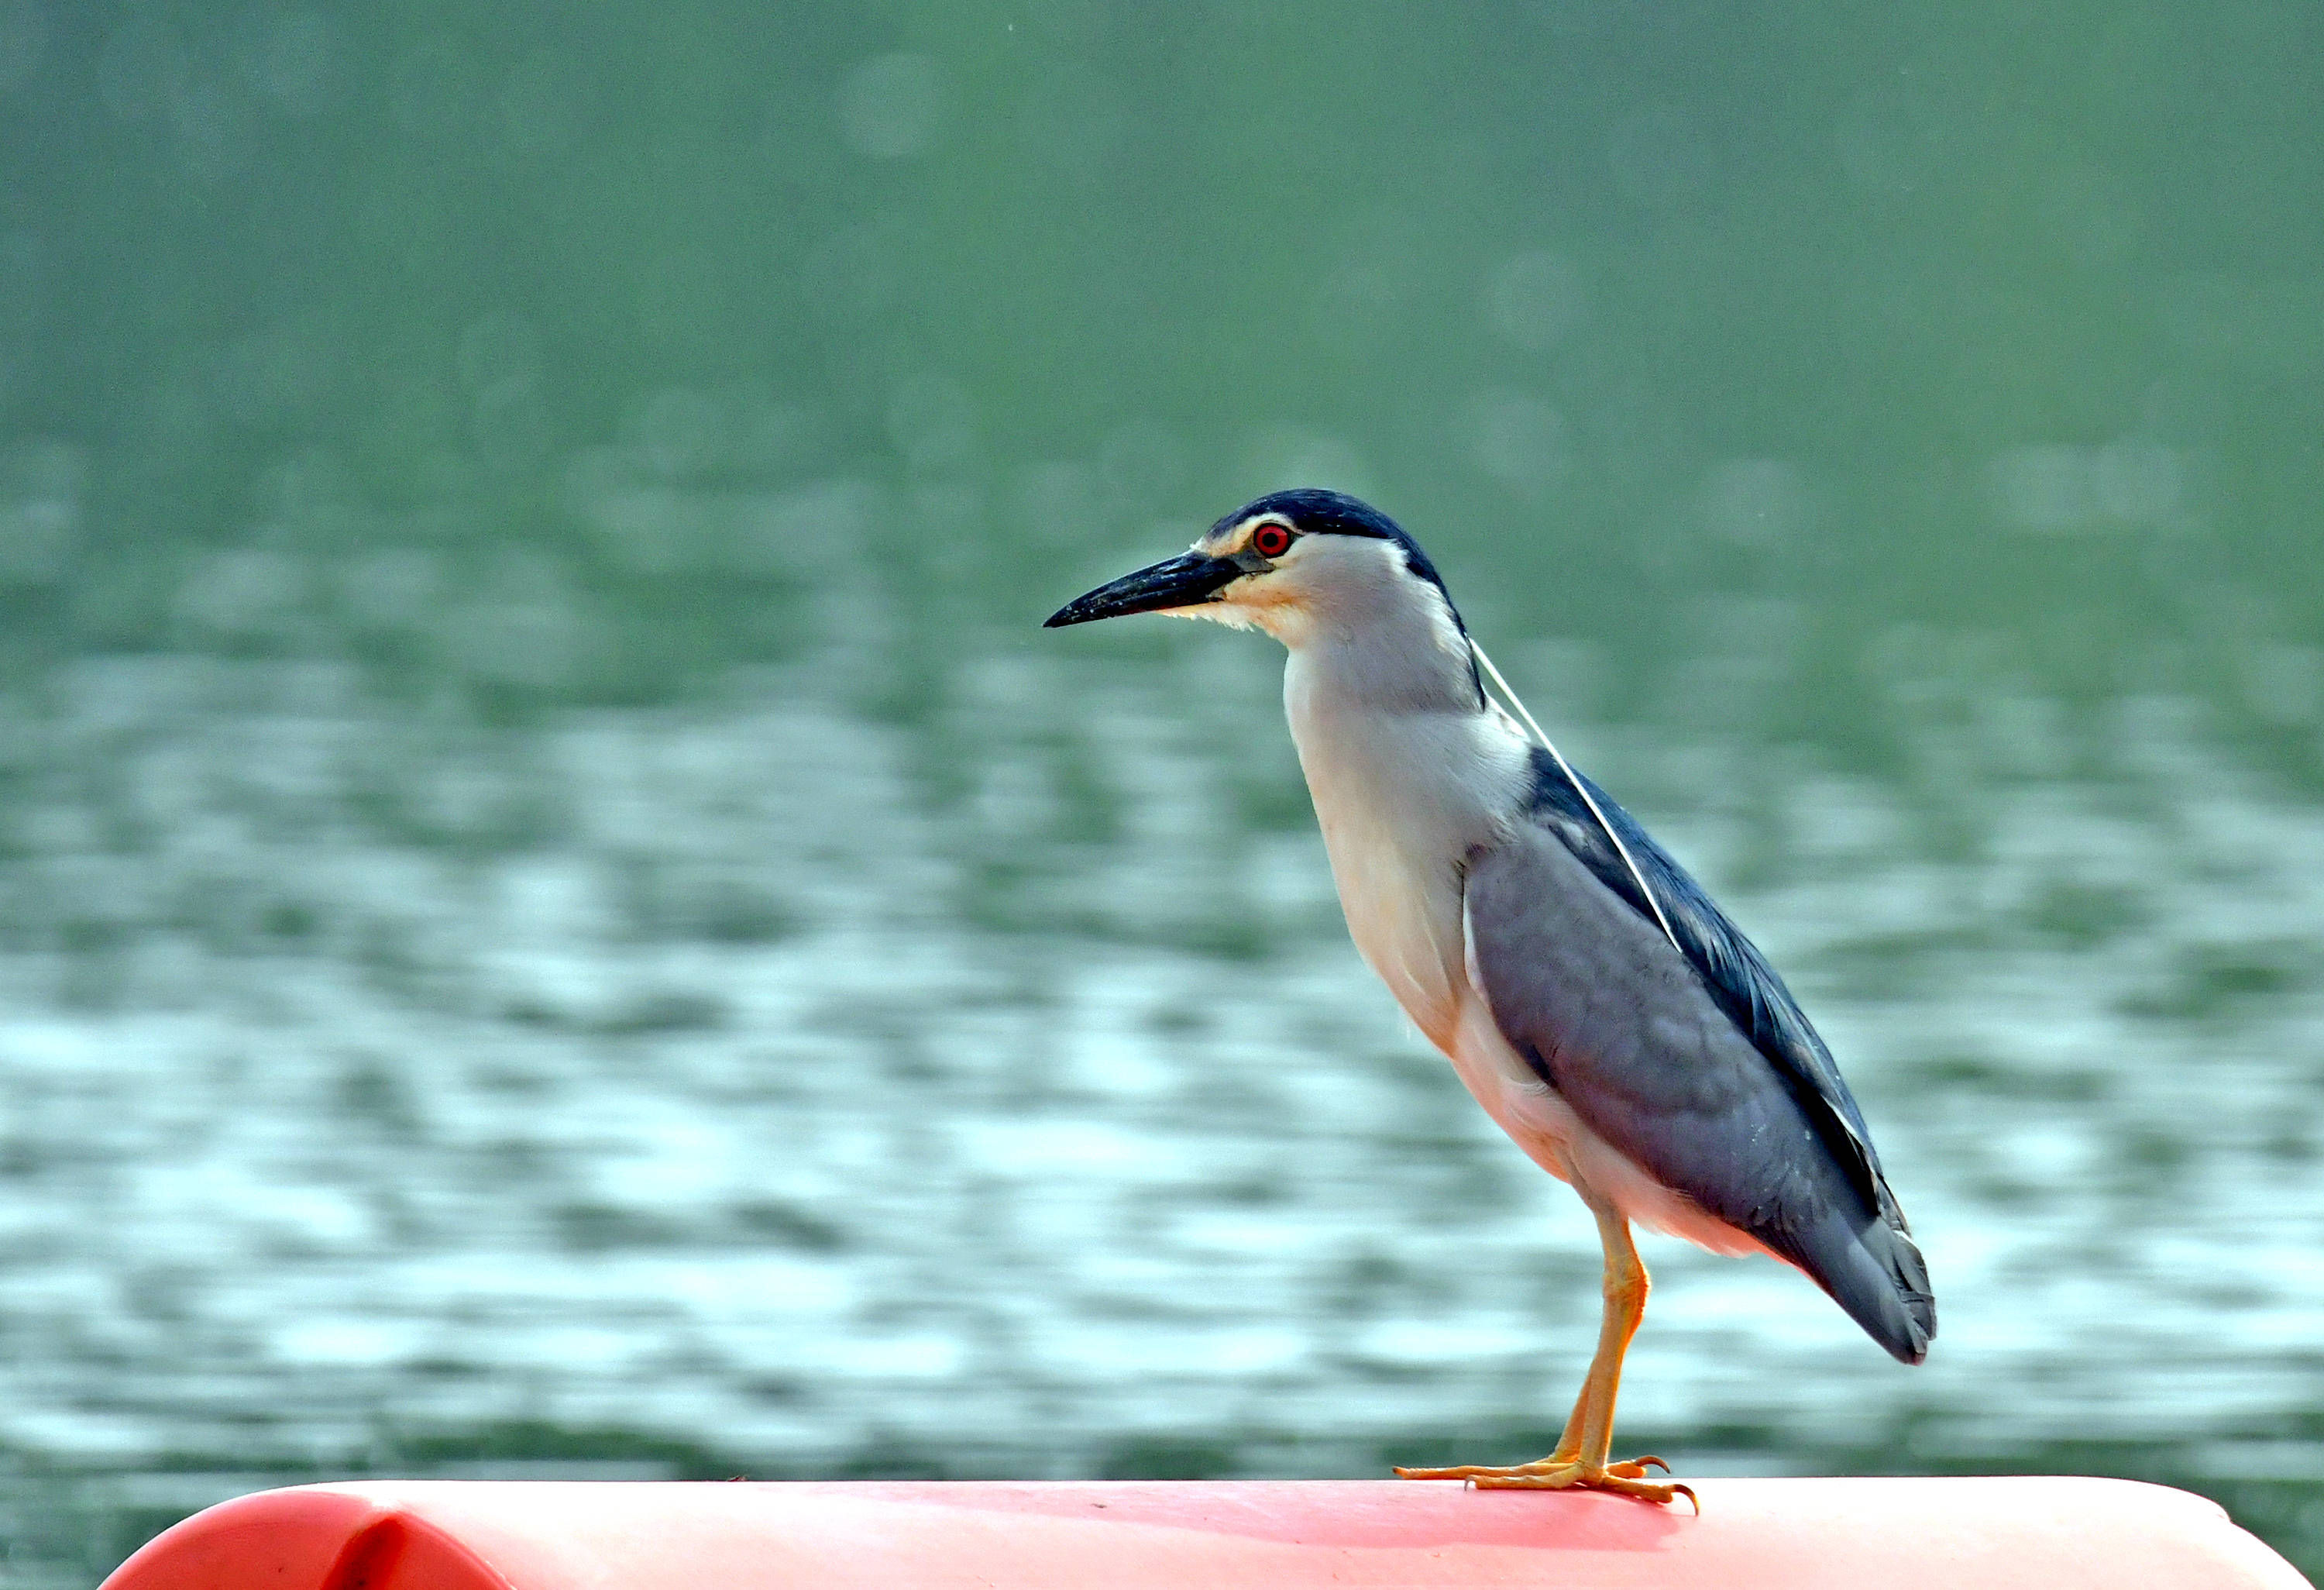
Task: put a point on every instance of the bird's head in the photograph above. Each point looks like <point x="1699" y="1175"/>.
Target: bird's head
<point x="1295" y="564"/>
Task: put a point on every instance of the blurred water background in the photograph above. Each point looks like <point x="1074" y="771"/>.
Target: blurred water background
<point x="559" y="916"/>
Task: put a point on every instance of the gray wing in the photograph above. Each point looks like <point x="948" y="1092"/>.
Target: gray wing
<point x="1695" y="1062"/>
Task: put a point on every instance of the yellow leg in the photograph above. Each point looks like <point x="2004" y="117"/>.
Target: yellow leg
<point x="1580" y="1459"/>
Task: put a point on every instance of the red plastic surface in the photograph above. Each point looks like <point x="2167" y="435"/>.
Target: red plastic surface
<point x="1992" y="1534"/>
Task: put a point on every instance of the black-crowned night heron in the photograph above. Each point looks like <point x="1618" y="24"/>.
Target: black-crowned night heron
<point x="1607" y="1015"/>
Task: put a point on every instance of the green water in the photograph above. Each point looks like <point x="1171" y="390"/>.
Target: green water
<point x="558" y="914"/>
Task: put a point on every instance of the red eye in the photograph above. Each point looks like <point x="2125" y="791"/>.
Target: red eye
<point x="1270" y="540"/>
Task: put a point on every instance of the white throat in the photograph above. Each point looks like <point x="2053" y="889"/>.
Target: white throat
<point x="1409" y="772"/>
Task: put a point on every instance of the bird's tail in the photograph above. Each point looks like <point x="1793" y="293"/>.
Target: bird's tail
<point x="1876" y="1273"/>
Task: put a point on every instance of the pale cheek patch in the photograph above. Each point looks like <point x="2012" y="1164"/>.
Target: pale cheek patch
<point x="1274" y="605"/>
<point x="1261" y="594"/>
<point x="1275" y="601"/>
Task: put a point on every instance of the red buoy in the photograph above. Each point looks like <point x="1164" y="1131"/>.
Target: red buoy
<point x="1851" y="1534"/>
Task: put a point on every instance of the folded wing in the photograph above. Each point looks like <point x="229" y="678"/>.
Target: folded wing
<point x="1694" y="1061"/>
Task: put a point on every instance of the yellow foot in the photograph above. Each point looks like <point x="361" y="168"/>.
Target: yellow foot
<point x="1557" y="1473"/>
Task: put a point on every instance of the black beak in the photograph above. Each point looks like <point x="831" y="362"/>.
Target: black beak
<point x="1184" y="581"/>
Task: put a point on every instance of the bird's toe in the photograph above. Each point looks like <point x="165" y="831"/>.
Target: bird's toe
<point x="1555" y="1463"/>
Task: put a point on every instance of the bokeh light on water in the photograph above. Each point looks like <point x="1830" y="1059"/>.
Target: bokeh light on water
<point x="557" y="915"/>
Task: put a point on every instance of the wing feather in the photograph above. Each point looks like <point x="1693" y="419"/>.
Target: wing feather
<point x="1733" y="971"/>
<point x="1697" y="1063"/>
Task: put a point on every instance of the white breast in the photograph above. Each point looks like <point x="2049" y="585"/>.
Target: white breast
<point x="1402" y="797"/>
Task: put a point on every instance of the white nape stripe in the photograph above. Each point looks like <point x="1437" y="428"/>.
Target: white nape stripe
<point x="1579" y="788"/>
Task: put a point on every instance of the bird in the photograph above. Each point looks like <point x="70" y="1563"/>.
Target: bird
<point x="1604" y="1011"/>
